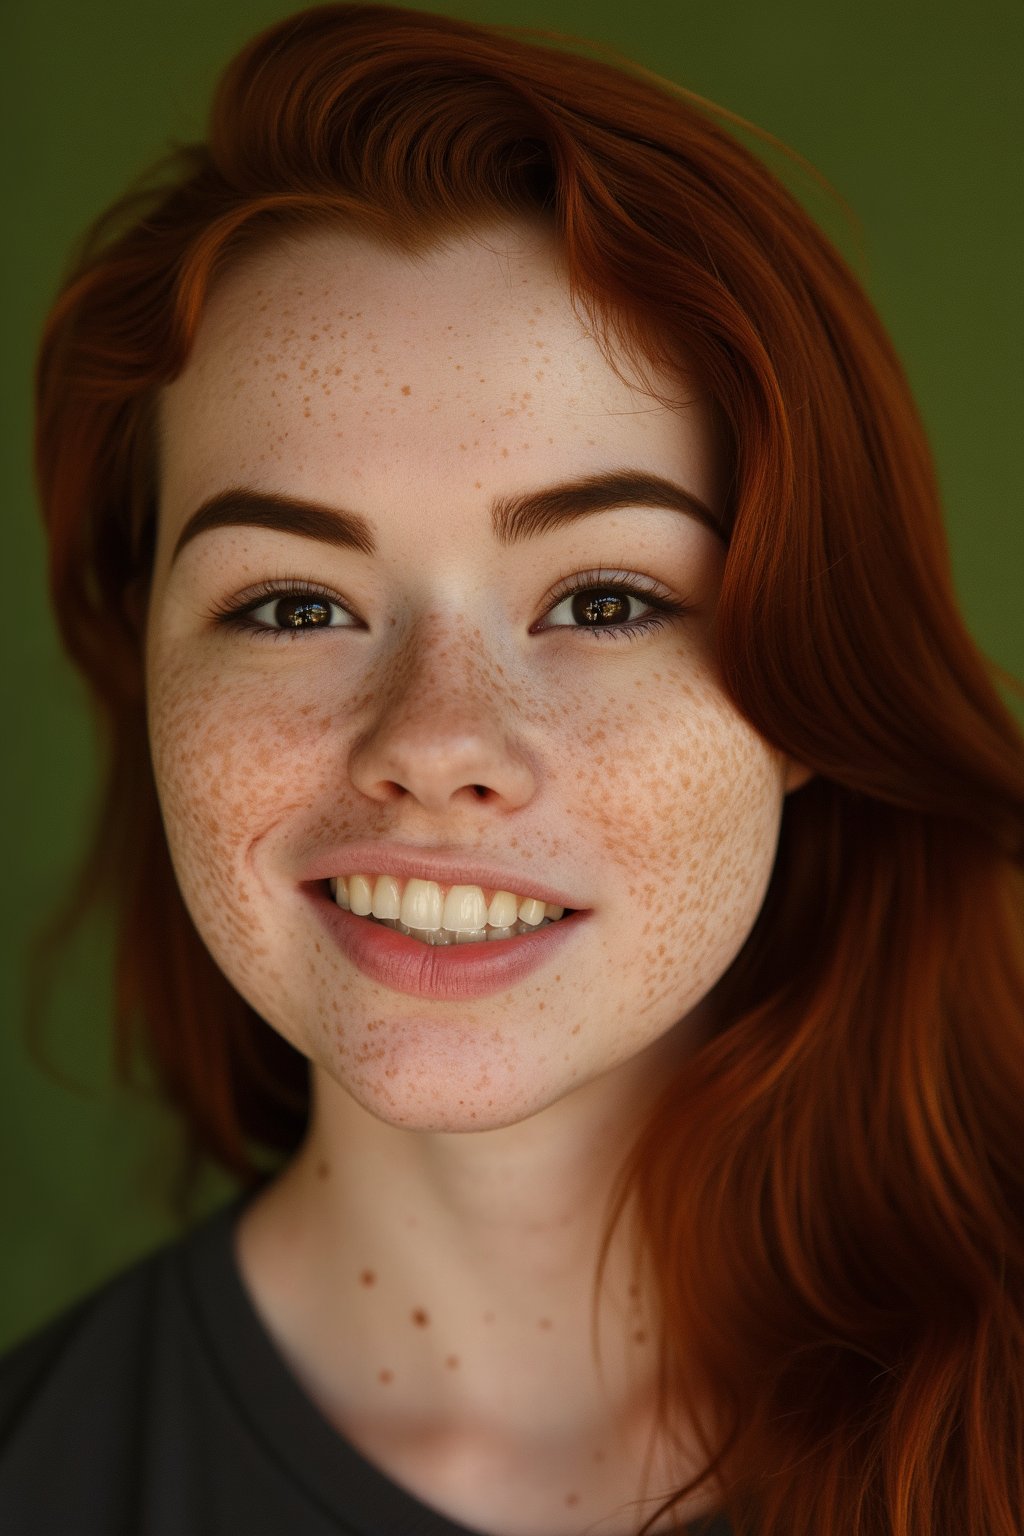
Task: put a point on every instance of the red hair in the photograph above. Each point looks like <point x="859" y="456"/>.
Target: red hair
<point x="831" y="1193"/>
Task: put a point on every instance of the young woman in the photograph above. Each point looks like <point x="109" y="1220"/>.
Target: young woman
<point x="555" y="804"/>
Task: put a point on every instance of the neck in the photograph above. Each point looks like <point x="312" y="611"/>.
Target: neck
<point x="437" y="1288"/>
<point x="481" y="1246"/>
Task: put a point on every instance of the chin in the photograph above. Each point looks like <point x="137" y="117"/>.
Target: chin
<point x="410" y="1108"/>
<point x="451" y="1119"/>
<point x="420" y="1081"/>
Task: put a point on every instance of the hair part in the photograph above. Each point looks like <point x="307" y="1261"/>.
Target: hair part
<point x="830" y="1193"/>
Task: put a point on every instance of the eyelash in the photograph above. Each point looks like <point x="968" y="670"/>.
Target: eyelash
<point x="236" y="615"/>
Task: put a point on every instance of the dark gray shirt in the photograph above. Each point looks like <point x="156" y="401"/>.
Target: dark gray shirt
<point x="160" y="1406"/>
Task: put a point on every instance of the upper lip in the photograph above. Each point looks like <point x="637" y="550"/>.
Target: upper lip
<point x="444" y="866"/>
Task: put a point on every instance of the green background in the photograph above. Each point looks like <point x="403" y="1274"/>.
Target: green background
<point x="909" y="109"/>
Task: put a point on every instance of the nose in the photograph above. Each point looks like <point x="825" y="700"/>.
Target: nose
<point x="443" y="729"/>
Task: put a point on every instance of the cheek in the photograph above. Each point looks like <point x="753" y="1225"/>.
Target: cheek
<point x="231" y="758"/>
<point x="683" y="800"/>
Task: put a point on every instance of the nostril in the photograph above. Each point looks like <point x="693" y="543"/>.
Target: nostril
<point x="480" y="790"/>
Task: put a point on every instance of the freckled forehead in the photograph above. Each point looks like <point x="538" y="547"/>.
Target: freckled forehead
<point x="329" y="358"/>
<point x="483" y="297"/>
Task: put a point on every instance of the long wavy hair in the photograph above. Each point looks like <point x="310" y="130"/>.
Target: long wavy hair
<point x="830" y="1195"/>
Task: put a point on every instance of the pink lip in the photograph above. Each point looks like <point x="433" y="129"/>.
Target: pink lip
<point x="446" y="972"/>
<point x="439" y="865"/>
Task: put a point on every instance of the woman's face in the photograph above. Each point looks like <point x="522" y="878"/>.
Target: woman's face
<point x="441" y="706"/>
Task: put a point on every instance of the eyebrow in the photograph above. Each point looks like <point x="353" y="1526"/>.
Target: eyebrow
<point x="514" y="519"/>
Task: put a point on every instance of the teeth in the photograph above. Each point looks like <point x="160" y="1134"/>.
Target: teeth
<point x="465" y="910"/>
<point x="460" y="916"/>
<point x="421" y="904"/>
<point x="503" y="910"/>
<point x="449" y="936"/>
<point x="387" y="898"/>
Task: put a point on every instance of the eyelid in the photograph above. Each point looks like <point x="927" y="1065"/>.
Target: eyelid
<point x="631" y="582"/>
<point x="237" y="609"/>
<point x="575" y="581"/>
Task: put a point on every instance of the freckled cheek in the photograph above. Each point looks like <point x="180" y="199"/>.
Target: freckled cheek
<point x="231" y="757"/>
<point x="684" y="800"/>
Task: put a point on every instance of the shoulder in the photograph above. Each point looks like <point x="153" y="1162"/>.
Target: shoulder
<point x="85" y="1399"/>
<point x="98" y="1325"/>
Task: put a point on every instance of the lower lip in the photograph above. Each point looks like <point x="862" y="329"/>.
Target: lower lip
<point x="444" y="971"/>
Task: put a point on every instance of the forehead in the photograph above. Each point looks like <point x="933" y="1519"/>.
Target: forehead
<point x="329" y="351"/>
<point x="478" y="292"/>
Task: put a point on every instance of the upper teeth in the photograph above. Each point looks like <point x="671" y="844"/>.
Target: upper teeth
<point x="426" y="906"/>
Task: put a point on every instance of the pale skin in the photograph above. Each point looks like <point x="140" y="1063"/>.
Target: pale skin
<point x="425" y="1262"/>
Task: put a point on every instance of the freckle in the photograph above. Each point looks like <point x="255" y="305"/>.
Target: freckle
<point x="420" y="1318"/>
<point x="384" y="1377"/>
<point x="452" y="1362"/>
<point x="406" y="389"/>
<point x="639" y="1337"/>
<point x="544" y="1324"/>
<point x="634" y="1291"/>
<point x="488" y="1317"/>
<point x="599" y="1456"/>
<point x="368" y="1277"/>
<point x="322" y="1170"/>
<point x="576" y="1029"/>
<point x="571" y="1499"/>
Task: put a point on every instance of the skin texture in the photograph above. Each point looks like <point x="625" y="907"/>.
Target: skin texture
<point x="412" y="391"/>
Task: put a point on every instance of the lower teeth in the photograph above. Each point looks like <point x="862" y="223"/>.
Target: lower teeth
<point x="450" y="936"/>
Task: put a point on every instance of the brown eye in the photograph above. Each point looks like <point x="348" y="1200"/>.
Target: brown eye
<point x="612" y="607"/>
<point x="605" y="607"/>
<point x="288" y="611"/>
<point x="600" y="608"/>
<point x="301" y="612"/>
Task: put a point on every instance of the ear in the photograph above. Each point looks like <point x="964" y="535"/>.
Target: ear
<point x="797" y="775"/>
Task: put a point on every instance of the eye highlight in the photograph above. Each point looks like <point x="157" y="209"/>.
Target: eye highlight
<point x="300" y="608"/>
<point x="593" y="602"/>
<point x="601" y="603"/>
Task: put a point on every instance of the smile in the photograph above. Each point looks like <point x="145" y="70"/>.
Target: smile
<point x="443" y="963"/>
<point x="441" y="915"/>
